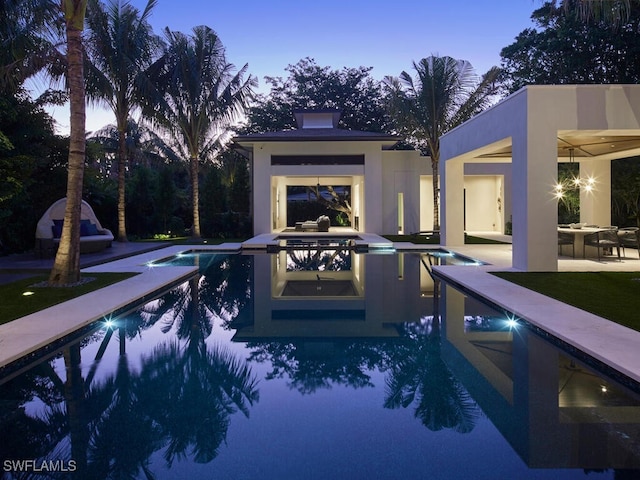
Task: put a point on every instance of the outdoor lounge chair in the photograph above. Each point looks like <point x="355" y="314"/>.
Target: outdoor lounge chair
<point x="319" y="225"/>
<point x="93" y="237"/>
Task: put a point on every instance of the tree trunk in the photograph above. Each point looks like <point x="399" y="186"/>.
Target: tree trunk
<point x="195" y="229"/>
<point x="66" y="267"/>
<point x="436" y="194"/>
<point x="75" y="400"/>
<point x="122" y="165"/>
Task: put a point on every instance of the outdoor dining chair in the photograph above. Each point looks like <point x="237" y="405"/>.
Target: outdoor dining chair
<point x="629" y="237"/>
<point x="565" y="238"/>
<point x="603" y="240"/>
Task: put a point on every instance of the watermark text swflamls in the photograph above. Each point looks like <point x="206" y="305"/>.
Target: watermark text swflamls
<point x="30" y="465"/>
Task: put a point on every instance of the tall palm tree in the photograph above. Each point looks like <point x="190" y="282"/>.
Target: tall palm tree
<point x="444" y="93"/>
<point x="121" y="46"/>
<point x="30" y="32"/>
<point x="66" y="266"/>
<point x="201" y="98"/>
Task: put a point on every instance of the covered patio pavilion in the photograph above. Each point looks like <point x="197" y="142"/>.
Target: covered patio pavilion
<point x="533" y="130"/>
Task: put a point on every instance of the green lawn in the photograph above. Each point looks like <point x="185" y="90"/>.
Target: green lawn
<point x="15" y="304"/>
<point x="611" y="295"/>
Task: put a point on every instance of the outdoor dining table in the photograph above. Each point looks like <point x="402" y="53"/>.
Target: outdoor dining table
<point x="579" y="234"/>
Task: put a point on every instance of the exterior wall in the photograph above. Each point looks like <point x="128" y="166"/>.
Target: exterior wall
<point x="530" y="121"/>
<point x="481" y="202"/>
<point x="426" y="202"/>
<point x="376" y="186"/>
<point x="488" y="196"/>
<point x="265" y="217"/>
<point x="402" y="172"/>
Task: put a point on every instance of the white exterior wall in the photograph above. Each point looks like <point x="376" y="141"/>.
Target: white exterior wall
<point x="488" y="196"/>
<point x="376" y="186"/>
<point x="269" y="179"/>
<point x="530" y="121"/>
<point x="481" y="203"/>
<point x="426" y="202"/>
<point x="402" y="173"/>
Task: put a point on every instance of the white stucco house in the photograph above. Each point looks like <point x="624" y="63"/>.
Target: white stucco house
<point x="530" y="132"/>
<point x="391" y="190"/>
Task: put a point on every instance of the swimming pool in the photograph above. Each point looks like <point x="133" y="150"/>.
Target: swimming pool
<point x="231" y="375"/>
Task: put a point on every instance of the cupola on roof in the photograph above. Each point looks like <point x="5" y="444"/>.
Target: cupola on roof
<point x="318" y="118"/>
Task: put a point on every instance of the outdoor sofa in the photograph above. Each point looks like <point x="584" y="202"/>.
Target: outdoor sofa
<point x="320" y="225"/>
<point x="93" y="237"/>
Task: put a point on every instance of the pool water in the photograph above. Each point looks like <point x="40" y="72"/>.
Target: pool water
<point x="227" y="376"/>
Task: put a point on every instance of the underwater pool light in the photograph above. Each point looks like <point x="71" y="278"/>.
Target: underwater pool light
<point x="512" y="323"/>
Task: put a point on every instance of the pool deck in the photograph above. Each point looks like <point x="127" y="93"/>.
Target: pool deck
<point x="606" y="341"/>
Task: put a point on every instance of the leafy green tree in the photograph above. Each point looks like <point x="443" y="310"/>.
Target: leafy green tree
<point x="165" y="199"/>
<point x="140" y="200"/>
<point x="121" y="46"/>
<point x="625" y="192"/>
<point x="444" y="93"/>
<point x="311" y="86"/>
<point x="239" y="185"/>
<point x="615" y="11"/>
<point x="201" y="98"/>
<point x="566" y="49"/>
<point x="32" y="168"/>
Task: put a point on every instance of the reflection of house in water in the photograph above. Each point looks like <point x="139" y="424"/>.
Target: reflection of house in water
<point x="555" y="411"/>
<point x="336" y="292"/>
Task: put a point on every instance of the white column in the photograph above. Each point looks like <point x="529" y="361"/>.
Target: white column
<point x="262" y="216"/>
<point x="535" y="214"/>
<point x="452" y="202"/>
<point x="595" y="205"/>
<point x="373" y="194"/>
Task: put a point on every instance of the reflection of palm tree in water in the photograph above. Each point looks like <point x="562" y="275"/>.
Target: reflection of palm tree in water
<point x="310" y="368"/>
<point x="317" y="259"/>
<point x="190" y="391"/>
<point x="182" y="398"/>
<point x="422" y="377"/>
<point x="221" y="289"/>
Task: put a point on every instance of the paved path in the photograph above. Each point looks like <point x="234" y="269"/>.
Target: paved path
<point x="16" y="267"/>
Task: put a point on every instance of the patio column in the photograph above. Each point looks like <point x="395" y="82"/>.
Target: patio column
<point x="452" y="202"/>
<point x="595" y="205"/>
<point x="535" y="213"/>
<point x="262" y="214"/>
<point x="373" y="194"/>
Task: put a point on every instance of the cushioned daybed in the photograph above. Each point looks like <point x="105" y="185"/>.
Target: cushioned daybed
<point x="320" y="225"/>
<point x="93" y="238"/>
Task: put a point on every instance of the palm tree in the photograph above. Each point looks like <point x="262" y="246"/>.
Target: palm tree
<point x="444" y="94"/>
<point x="201" y="98"/>
<point x="29" y="35"/>
<point x="66" y="266"/>
<point x="121" y="46"/>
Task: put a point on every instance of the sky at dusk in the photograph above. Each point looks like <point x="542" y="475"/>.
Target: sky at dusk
<point x="385" y="35"/>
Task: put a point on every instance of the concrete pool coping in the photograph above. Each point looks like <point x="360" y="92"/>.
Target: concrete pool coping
<point x="606" y="341"/>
